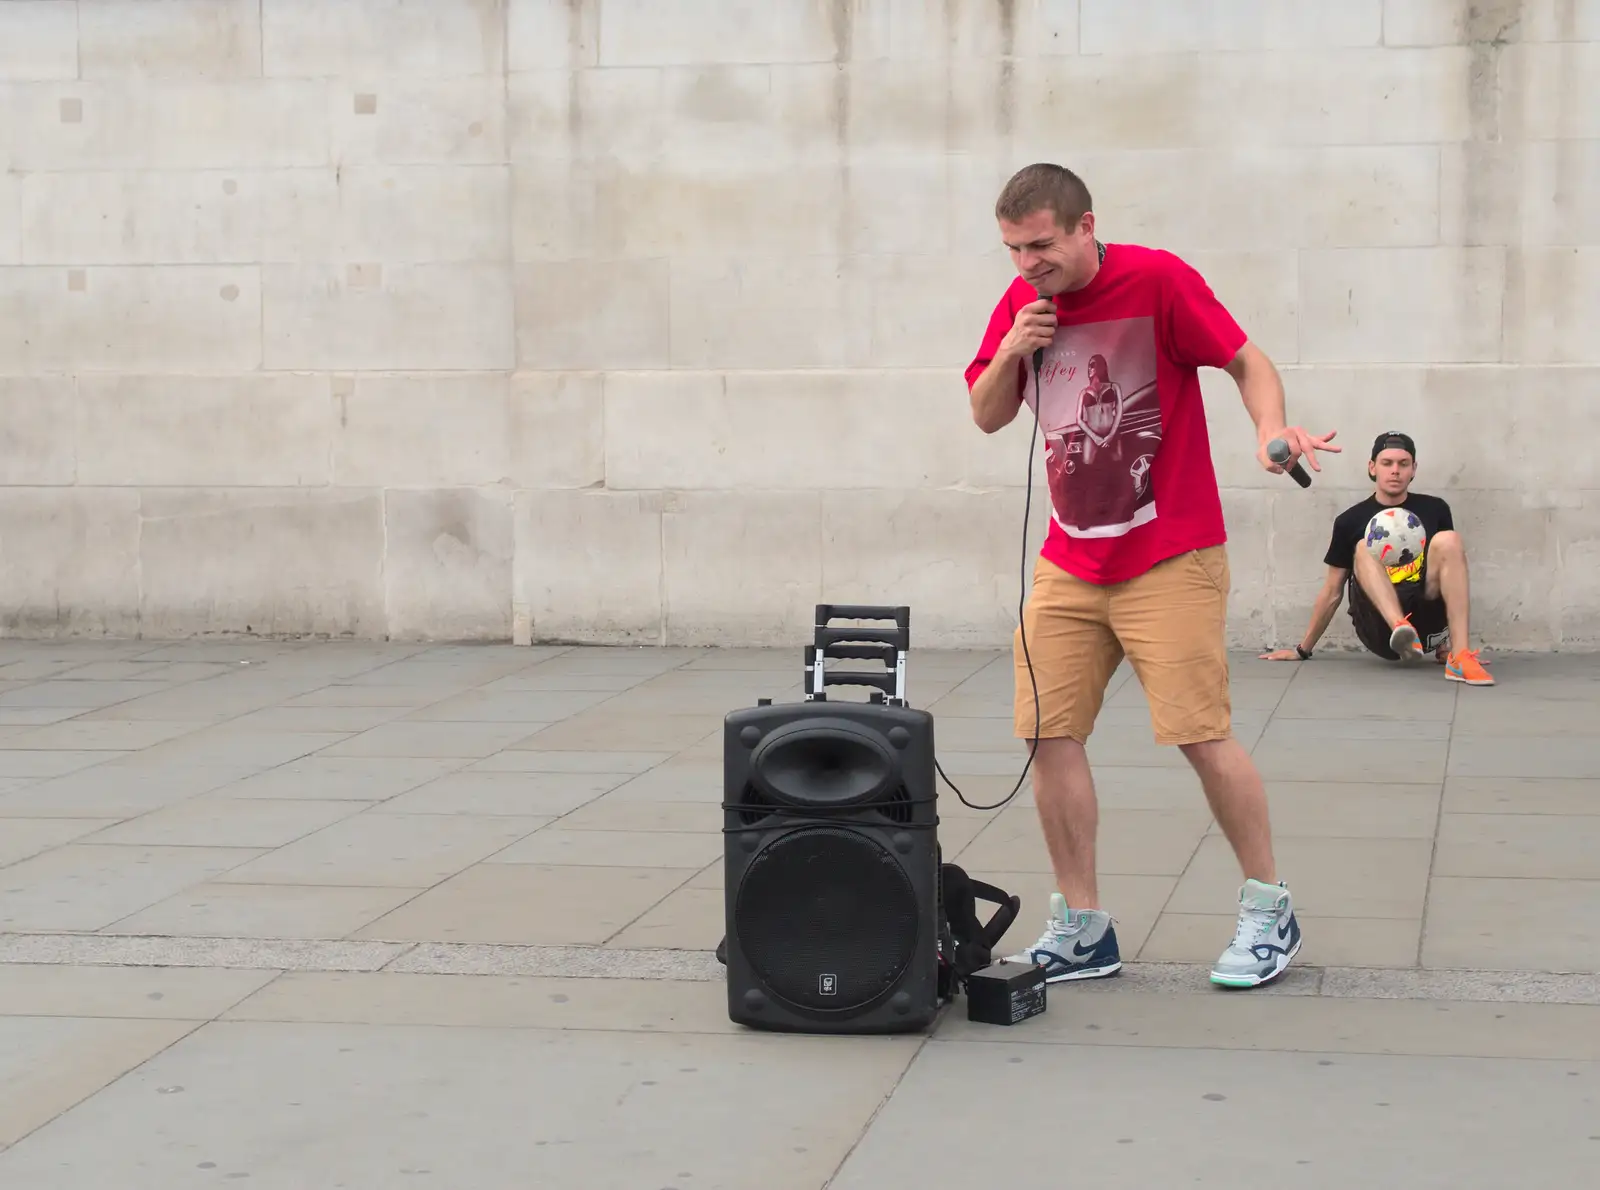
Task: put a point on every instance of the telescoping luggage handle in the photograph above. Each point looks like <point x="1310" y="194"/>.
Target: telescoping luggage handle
<point x="859" y="643"/>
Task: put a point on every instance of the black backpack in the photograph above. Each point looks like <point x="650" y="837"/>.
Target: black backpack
<point x="966" y="944"/>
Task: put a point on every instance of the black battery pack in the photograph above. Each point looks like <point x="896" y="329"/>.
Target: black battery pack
<point x="1005" y="993"/>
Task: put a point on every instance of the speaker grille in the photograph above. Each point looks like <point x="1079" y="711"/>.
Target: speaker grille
<point x="824" y="762"/>
<point x="827" y="919"/>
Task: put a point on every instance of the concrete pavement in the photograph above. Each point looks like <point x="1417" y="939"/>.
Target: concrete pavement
<point x="348" y="915"/>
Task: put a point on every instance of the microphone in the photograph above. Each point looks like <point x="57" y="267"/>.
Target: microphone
<point x="1278" y="452"/>
<point x="1038" y="352"/>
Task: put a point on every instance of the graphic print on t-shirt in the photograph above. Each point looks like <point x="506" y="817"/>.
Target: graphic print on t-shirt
<point x="1101" y="420"/>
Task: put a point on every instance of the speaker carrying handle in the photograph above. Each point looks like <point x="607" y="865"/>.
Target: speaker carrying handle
<point x="859" y="643"/>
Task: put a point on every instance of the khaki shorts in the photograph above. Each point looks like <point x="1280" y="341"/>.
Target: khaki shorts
<point x="1169" y="622"/>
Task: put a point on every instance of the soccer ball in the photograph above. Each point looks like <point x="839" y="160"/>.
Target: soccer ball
<point x="1396" y="538"/>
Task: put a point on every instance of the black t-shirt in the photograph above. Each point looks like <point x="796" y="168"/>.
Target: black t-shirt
<point x="1350" y="527"/>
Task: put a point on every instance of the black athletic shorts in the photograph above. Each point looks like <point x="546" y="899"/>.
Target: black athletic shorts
<point x="1427" y="617"/>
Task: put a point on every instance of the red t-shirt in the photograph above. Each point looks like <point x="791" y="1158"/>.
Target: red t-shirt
<point x="1127" y="456"/>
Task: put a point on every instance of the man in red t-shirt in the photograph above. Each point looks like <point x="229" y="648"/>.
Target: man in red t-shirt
<point x="1135" y="561"/>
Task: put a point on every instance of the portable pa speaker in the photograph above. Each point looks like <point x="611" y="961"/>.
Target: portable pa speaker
<point x="831" y="854"/>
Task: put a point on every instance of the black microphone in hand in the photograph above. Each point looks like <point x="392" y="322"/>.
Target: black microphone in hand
<point x="1038" y="352"/>
<point x="1278" y="452"/>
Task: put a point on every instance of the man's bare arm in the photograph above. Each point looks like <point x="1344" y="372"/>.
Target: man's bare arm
<point x="1328" y="601"/>
<point x="997" y="395"/>
<point x="1261" y="389"/>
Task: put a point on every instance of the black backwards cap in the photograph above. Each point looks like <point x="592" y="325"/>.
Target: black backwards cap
<point x="1393" y="440"/>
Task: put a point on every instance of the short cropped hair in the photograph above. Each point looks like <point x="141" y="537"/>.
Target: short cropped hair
<point x="1044" y="187"/>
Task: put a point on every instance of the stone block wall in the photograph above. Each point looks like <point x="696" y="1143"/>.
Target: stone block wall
<point x="644" y="320"/>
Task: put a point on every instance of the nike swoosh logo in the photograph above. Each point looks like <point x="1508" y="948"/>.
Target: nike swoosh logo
<point x="1283" y="930"/>
<point x="1079" y="949"/>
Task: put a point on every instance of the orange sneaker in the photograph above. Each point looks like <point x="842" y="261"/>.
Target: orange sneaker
<point x="1464" y="666"/>
<point x="1403" y="639"/>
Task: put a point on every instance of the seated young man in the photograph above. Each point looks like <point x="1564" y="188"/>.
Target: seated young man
<point x="1399" y="612"/>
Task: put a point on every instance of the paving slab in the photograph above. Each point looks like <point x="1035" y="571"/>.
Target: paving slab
<point x="341" y="719"/>
<point x="142" y="670"/>
<point x="1525" y="716"/>
<point x="1111" y="744"/>
<point x="545" y="679"/>
<point x="1522" y="924"/>
<point x="128" y="993"/>
<point x="639" y="661"/>
<point x="229" y="822"/>
<point x="1328" y="877"/>
<point x="117" y="790"/>
<point x="963" y="703"/>
<point x="534" y="707"/>
<point x="607" y="813"/>
<point x="1353" y="734"/>
<point x="253" y="651"/>
<point x="49" y="1064"/>
<point x="541" y="903"/>
<point x="1311" y="698"/>
<point x="109" y="735"/>
<point x="55" y="692"/>
<point x="431" y="892"/>
<point x="530" y="760"/>
<point x="1173" y="1116"/>
<point x="1478" y="754"/>
<point x="356" y="778"/>
<point x="1351" y="810"/>
<point x="446" y="676"/>
<point x="1202" y="1020"/>
<point x="1402" y="761"/>
<point x="24" y="837"/>
<point x="1522" y="795"/>
<point x="482" y="1001"/>
<point x="15" y="718"/>
<point x="475" y="791"/>
<point x="369" y="1107"/>
<point x="214" y="700"/>
<point x="601" y="728"/>
<point x="339" y="694"/>
<point x="675" y="781"/>
<point x="377" y="849"/>
<point x="466" y="740"/>
<point x="1118" y="787"/>
<point x="1130" y="842"/>
<point x="84" y="886"/>
<point x="25" y="667"/>
<point x="280" y="911"/>
<point x="1547" y="846"/>
<point x="658" y="697"/>
<point x="615" y="848"/>
<point x="52" y="762"/>
<point x="225" y="744"/>
<point x="679" y="920"/>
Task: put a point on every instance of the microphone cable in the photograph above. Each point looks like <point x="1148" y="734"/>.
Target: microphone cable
<point x="1022" y="598"/>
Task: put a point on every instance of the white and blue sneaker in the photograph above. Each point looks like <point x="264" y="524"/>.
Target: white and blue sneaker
<point x="1268" y="936"/>
<point x="1076" y="944"/>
